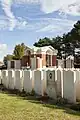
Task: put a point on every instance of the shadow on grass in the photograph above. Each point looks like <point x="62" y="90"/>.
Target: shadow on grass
<point x="44" y="101"/>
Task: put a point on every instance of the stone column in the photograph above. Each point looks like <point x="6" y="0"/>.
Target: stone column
<point x="44" y="59"/>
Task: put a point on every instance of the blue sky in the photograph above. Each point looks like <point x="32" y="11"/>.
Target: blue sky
<point x="28" y="20"/>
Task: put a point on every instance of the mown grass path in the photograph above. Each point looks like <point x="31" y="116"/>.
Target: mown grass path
<point x="13" y="107"/>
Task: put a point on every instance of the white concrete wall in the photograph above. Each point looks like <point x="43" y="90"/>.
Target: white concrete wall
<point x="33" y="63"/>
<point x="11" y="79"/>
<point x="18" y="80"/>
<point x="17" y="64"/>
<point x="38" y="82"/>
<point x="27" y="82"/>
<point x="69" y="89"/>
<point x="68" y="63"/>
<point x="60" y="63"/>
<point x="8" y="64"/>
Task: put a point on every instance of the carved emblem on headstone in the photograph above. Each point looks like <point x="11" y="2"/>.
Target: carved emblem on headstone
<point x="50" y="75"/>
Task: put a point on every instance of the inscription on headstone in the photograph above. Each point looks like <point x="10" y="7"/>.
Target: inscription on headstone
<point x="50" y="78"/>
<point x="50" y="75"/>
<point x="51" y="83"/>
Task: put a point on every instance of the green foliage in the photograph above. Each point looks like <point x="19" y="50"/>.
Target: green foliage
<point x="19" y="51"/>
<point x="15" y="107"/>
<point x="6" y="58"/>
<point x="43" y="42"/>
<point x="66" y="43"/>
<point x="32" y="93"/>
<point x="75" y="107"/>
<point x="9" y="57"/>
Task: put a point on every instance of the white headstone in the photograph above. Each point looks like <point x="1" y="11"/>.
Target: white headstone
<point x="77" y="84"/>
<point x="0" y="76"/>
<point x="18" y="80"/>
<point x="59" y="82"/>
<point x="44" y="82"/>
<point x="38" y="82"/>
<point x="27" y="82"/>
<point x="11" y="79"/>
<point x="69" y="89"/>
<point x="5" y="78"/>
<point x="51" y="83"/>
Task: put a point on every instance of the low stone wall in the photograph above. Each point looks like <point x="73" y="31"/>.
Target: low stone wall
<point x="63" y="83"/>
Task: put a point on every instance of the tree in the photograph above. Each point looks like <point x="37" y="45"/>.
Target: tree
<point x="55" y="42"/>
<point x="6" y="58"/>
<point x="43" y="42"/>
<point x="19" y="51"/>
<point x="69" y="40"/>
<point x="74" y="34"/>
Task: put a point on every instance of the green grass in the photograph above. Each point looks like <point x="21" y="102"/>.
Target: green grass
<point x="13" y="107"/>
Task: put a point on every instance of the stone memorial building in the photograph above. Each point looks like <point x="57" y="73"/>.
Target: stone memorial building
<point x="36" y="57"/>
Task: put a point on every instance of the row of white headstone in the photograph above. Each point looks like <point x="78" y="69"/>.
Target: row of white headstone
<point x="54" y="82"/>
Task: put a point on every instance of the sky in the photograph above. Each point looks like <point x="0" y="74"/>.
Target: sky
<point x="29" y="20"/>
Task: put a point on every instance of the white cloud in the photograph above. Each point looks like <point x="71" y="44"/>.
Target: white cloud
<point x="22" y="24"/>
<point x="26" y="1"/>
<point x="3" y="47"/>
<point x="6" y="5"/>
<point x="49" y="25"/>
<point x="5" y="24"/>
<point x="11" y="22"/>
<point x="72" y="9"/>
<point x="63" y="6"/>
<point x="3" y="51"/>
<point x="53" y="25"/>
<point x="66" y="7"/>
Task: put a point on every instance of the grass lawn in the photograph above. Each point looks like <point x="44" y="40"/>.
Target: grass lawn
<point x="13" y="107"/>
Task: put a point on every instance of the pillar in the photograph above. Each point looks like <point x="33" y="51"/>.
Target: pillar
<point x="54" y="60"/>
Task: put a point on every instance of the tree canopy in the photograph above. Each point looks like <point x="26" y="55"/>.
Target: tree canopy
<point x="19" y="51"/>
<point x="6" y="58"/>
<point x="66" y="43"/>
